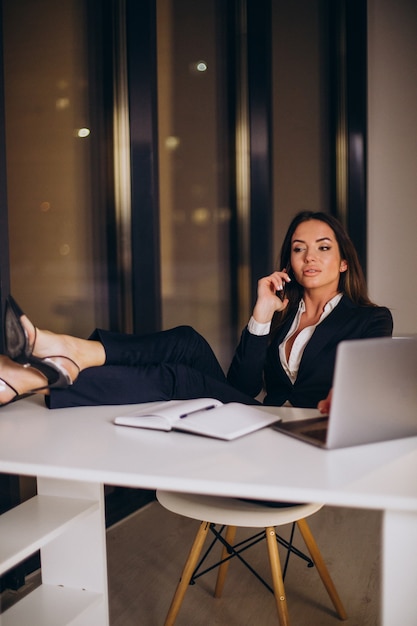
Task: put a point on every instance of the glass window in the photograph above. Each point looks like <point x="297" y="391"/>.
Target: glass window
<point x="194" y="169"/>
<point x="301" y="119"/>
<point x="56" y="255"/>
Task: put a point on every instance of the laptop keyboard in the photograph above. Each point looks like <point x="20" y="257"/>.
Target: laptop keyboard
<point x="312" y="428"/>
<point x="320" y="434"/>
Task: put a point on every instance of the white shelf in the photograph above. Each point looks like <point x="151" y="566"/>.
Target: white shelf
<point x="31" y="525"/>
<point x="56" y="606"/>
<point x="65" y="521"/>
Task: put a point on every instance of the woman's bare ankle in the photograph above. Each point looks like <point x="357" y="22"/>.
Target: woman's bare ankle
<point x="82" y="352"/>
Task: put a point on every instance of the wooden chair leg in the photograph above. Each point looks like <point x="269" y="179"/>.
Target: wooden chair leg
<point x="221" y="576"/>
<point x="277" y="582"/>
<point x="187" y="572"/>
<point x="321" y="567"/>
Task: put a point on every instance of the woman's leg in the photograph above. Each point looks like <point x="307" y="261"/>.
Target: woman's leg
<point x="119" y="384"/>
<point x="182" y="345"/>
<point x="177" y="345"/>
<point x="172" y="364"/>
<point x="72" y="353"/>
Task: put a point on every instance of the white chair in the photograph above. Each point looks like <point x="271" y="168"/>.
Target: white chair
<point x="233" y="513"/>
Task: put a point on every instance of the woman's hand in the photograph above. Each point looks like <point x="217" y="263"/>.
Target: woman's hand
<point x="268" y="302"/>
<point x="324" y="405"/>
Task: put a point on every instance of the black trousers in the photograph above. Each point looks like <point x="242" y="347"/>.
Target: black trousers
<point x="176" y="364"/>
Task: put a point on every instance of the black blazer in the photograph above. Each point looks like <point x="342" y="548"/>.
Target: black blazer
<point x="256" y="364"/>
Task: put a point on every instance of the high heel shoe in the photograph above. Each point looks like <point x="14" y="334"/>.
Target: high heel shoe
<point x="19" y="349"/>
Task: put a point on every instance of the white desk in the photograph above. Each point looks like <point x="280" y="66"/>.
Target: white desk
<point x="73" y="452"/>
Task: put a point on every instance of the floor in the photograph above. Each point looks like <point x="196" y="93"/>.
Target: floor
<point x="146" y="553"/>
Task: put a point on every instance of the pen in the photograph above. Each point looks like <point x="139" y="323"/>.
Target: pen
<point x="204" y="408"/>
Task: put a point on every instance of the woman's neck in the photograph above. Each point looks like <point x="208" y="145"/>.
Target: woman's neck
<point x="315" y="302"/>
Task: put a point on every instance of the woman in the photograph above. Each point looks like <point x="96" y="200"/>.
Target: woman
<point x="301" y="314"/>
<point x="325" y="301"/>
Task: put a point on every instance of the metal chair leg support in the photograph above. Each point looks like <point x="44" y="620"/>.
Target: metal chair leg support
<point x="230" y="551"/>
<point x="197" y="573"/>
<point x="224" y="565"/>
<point x="241" y="559"/>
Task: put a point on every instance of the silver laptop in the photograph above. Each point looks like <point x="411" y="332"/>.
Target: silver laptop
<point x="374" y="396"/>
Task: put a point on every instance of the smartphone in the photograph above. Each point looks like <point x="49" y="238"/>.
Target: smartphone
<point x="281" y="293"/>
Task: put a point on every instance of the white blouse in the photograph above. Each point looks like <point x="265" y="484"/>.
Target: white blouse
<point x="292" y="364"/>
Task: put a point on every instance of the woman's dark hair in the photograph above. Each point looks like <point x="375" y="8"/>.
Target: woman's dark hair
<point x="351" y="282"/>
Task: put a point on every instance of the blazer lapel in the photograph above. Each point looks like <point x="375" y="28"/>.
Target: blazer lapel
<point x="328" y="331"/>
<point x="282" y="332"/>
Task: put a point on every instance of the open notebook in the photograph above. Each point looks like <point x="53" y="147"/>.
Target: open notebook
<point x="374" y="396"/>
<point x="202" y="416"/>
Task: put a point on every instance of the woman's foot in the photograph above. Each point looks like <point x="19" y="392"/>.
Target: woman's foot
<point x="17" y="380"/>
<point x="70" y="353"/>
<point x="59" y="358"/>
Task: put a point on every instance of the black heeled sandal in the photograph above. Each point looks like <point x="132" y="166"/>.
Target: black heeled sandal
<point x="19" y="349"/>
